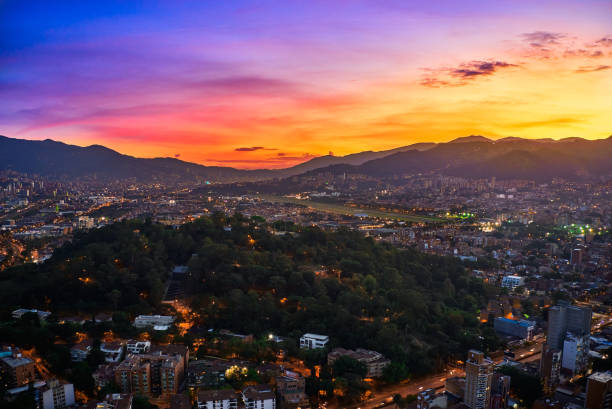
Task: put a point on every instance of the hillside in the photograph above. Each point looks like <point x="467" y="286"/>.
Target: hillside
<point x="417" y="309"/>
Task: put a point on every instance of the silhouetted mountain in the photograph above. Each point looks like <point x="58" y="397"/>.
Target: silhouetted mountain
<point x="472" y="156"/>
<point x="352" y="159"/>
<point x="51" y="158"/>
<point x="570" y="158"/>
<point x="471" y="138"/>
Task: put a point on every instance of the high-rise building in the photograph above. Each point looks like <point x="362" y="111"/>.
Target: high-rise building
<point x="478" y="378"/>
<point x="56" y="394"/>
<point x="567" y="318"/>
<point x="18" y="370"/>
<point x="151" y="374"/>
<point x="550" y="369"/>
<point x="575" y="352"/>
<point x="599" y="391"/>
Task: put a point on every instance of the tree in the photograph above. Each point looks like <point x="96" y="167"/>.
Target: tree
<point x="347" y="365"/>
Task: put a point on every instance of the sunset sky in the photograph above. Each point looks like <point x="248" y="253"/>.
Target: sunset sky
<point x="272" y="83"/>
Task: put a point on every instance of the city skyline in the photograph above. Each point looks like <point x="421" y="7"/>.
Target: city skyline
<point x="268" y="86"/>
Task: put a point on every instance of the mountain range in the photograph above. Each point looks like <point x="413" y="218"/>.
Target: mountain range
<point x="470" y="156"/>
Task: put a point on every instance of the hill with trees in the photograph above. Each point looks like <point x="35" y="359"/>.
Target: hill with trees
<point x="246" y="276"/>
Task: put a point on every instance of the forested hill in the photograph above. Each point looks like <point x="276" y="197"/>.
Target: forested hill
<point x="417" y="309"/>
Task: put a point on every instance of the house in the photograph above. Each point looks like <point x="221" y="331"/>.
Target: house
<point x="79" y="352"/>
<point x="113" y="351"/>
<point x="313" y="341"/>
<point x="158" y="322"/>
<point x="137" y="347"/>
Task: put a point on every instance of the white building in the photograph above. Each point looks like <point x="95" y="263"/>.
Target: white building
<point x="17" y="314"/>
<point x="113" y="351"/>
<point x="259" y="397"/>
<point x="138" y="347"/>
<point x="219" y="399"/>
<point x="512" y="281"/>
<point x="575" y="355"/>
<point x="56" y="394"/>
<point x="313" y="341"/>
<point x="158" y="322"/>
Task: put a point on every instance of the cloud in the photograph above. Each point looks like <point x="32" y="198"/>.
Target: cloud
<point x="250" y="149"/>
<point x="462" y="74"/>
<point x="539" y="39"/>
<point x="593" y="68"/>
<point x="549" y="45"/>
<point x="604" y="42"/>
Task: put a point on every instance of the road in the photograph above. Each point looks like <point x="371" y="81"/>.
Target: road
<point x="437" y="381"/>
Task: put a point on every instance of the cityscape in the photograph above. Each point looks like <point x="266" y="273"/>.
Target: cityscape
<point x="306" y="205"/>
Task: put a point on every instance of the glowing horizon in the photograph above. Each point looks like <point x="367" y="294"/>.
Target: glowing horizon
<point x="274" y="84"/>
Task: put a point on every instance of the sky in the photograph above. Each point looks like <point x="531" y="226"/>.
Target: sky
<point x="269" y="84"/>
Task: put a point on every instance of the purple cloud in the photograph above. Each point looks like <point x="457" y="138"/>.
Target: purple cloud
<point x="540" y="39"/>
<point x="462" y="74"/>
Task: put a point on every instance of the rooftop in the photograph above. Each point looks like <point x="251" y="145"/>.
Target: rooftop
<point x="222" y="394"/>
<point x="601" y="376"/>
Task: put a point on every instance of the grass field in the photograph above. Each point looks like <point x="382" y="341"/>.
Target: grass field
<point x="351" y="211"/>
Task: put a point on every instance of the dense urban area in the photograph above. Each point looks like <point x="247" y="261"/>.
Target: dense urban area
<point x="323" y="290"/>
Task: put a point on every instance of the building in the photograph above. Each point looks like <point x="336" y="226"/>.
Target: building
<point x="42" y="315"/>
<point x="291" y="390"/>
<point x="116" y="401"/>
<point x="500" y="391"/>
<point x="259" y="397"/>
<point x="152" y="374"/>
<point x="207" y="372"/>
<point x="79" y="352"/>
<point x="137" y="347"/>
<point x="113" y="351"/>
<point x="56" y="394"/>
<point x="599" y="391"/>
<point x="512" y="281"/>
<point x="517" y="328"/>
<point x="575" y="353"/>
<point x="158" y="322"/>
<point x="104" y="375"/>
<point x="374" y="361"/>
<point x="313" y="341"/>
<point x="17" y="369"/>
<point x="217" y="399"/>
<point x="428" y="399"/>
<point x="550" y="368"/>
<point x="478" y="380"/>
<point x="567" y="318"/>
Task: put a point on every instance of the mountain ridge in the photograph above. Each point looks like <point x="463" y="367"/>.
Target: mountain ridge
<point x="470" y="156"/>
